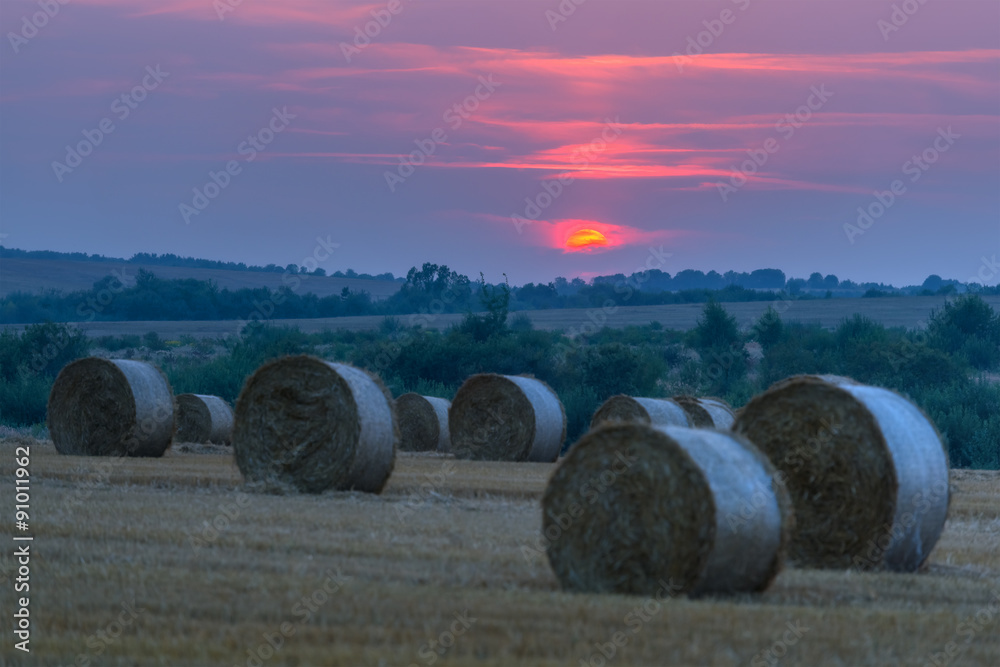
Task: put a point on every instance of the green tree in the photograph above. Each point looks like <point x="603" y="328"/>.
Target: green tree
<point x="496" y="301"/>
<point x="970" y="327"/>
<point x="716" y="328"/>
<point x="769" y="329"/>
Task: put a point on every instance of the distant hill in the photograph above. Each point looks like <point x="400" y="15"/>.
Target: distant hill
<point x="170" y="259"/>
<point x="35" y="275"/>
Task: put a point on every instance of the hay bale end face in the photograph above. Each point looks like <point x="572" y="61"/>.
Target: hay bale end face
<point x="635" y="508"/>
<point x="506" y="418"/>
<point x="866" y="470"/>
<point x="312" y="425"/>
<point x="656" y="411"/>
<point x="423" y="423"/>
<point x="111" y="407"/>
<point x="720" y="411"/>
<point x="697" y="414"/>
<point x="203" y="419"/>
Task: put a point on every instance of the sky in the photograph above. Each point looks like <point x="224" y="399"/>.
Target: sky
<point x="533" y="138"/>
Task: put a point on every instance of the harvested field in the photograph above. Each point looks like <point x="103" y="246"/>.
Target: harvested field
<point x="209" y="571"/>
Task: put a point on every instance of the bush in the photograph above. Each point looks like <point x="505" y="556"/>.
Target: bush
<point x="716" y="329"/>
<point x="969" y="326"/>
<point x="23" y="399"/>
<point x="580" y="403"/>
<point x="769" y="330"/>
<point x="152" y="341"/>
<point x="29" y="363"/>
<point x="965" y="413"/>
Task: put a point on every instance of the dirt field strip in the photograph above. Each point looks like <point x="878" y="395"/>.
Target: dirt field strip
<point x="215" y="575"/>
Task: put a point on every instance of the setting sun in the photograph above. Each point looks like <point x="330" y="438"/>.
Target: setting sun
<point x="585" y="238"/>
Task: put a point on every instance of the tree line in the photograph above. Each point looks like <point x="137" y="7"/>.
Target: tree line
<point x="946" y="368"/>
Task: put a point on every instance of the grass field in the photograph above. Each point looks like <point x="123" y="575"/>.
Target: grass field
<point x="41" y="275"/>
<point x="207" y="573"/>
<point x="910" y="312"/>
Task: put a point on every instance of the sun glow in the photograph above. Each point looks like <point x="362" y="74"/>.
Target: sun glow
<point x="585" y="238"/>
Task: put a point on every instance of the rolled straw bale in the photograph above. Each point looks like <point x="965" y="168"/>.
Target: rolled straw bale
<point x="111" y="407"/>
<point x="313" y="425"/>
<point x="506" y="418"/>
<point x="634" y="508"/>
<point x="423" y="423"/>
<point x="866" y="470"/>
<point x="656" y="411"/>
<point x="202" y="418"/>
<point x="697" y="414"/>
<point x="721" y="412"/>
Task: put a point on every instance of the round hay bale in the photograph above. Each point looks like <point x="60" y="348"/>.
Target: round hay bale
<point x="423" y="423"/>
<point x="312" y="425"/>
<point x="111" y="407"/>
<point x="656" y="411"/>
<point x="697" y="414"/>
<point x="203" y="419"/>
<point x="866" y="470"/>
<point x="721" y="412"/>
<point x="633" y="508"/>
<point x="506" y="418"/>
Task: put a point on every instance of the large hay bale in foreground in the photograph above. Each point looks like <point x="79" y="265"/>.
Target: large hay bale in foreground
<point x="423" y="423"/>
<point x="506" y="418"/>
<point x="111" y="407"/>
<point x="203" y="419"/>
<point x="656" y="411"/>
<point x="313" y="425"/>
<point x="866" y="470"/>
<point x="634" y="508"/>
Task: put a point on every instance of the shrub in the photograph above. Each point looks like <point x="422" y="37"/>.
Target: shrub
<point x="769" y="329"/>
<point x="716" y="329"/>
